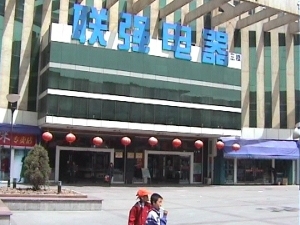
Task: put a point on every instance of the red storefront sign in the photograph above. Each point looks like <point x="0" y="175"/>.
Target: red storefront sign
<point x="17" y="139"/>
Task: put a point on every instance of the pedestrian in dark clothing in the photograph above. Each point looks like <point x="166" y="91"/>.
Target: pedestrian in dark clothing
<point x="274" y="172"/>
<point x="110" y="173"/>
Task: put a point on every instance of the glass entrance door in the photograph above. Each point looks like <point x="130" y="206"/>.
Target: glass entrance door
<point x="169" y="168"/>
<point x="83" y="166"/>
<point x="185" y="169"/>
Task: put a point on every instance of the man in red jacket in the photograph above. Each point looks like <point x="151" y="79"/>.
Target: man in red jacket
<point x="139" y="212"/>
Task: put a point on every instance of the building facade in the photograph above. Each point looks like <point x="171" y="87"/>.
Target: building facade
<point x="71" y="79"/>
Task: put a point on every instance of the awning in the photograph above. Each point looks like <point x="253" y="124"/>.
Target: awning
<point x="261" y="149"/>
<point x="20" y="129"/>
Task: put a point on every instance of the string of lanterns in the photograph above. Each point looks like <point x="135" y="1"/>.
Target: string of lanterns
<point x="152" y="141"/>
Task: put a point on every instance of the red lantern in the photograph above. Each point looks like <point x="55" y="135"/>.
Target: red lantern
<point x="152" y="141"/>
<point x="125" y="141"/>
<point x="220" y="145"/>
<point x="198" y="144"/>
<point x="97" y="141"/>
<point x="47" y="136"/>
<point x="236" y="147"/>
<point x="70" y="138"/>
<point x="176" y="143"/>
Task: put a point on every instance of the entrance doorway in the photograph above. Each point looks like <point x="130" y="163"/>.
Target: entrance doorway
<point x="170" y="167"/>
<point x="82" y="164"/>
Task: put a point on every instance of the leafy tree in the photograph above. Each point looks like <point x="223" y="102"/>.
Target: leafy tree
<point x="36" y="166"/>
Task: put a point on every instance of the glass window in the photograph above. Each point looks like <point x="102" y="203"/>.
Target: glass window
<point x="108" y="110"/>
<point x="229" y="171"/>
<point x="254" y="171"/>
<point x="122" y="111"/>
<point x="119" y="166"/>
<point x="5" y="164"/>
<point x="65" y="107"/>
<point x="55" y="11"/>
<point x="160" y="114"/>
<point x="147" y="113"/>
<point x="135" y="113"/>
<point x="95" y="109"/>
<point x="52" y="105"/>
<point x="80" y="107"/>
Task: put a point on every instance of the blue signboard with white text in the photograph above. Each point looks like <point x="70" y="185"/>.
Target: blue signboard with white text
<point x="134" y="34"/>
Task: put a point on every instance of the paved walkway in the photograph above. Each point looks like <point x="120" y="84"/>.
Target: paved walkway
<point x="228" y="205"/>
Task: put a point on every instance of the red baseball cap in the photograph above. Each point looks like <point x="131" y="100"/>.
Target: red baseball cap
<point x="142" y="192"/>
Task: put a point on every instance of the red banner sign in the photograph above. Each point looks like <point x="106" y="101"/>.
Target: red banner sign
<point x="17" y="139"/>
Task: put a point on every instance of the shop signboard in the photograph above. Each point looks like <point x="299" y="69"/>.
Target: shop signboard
<point x="23" y="140"/>
<point x="134" y="34"/>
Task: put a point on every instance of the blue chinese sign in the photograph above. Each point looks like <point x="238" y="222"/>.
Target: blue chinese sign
<point x="134" y="32"/>
<point x="215" y="47"/>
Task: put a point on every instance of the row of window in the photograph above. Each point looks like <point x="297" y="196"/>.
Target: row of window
<point x="137" y="113"/>
<point x="94" y="57"/>
<point x="137" y="87"/>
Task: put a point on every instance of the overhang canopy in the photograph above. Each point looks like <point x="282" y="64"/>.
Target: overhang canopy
<point x="20" y="129"/>
<point x="262" y="149"/>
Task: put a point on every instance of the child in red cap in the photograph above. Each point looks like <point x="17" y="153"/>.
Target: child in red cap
<point x="138" y="213"/>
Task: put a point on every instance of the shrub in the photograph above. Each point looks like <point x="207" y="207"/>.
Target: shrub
<point x="36" y="166"/>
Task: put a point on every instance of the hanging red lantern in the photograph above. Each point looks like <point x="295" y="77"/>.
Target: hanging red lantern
<point x="152" y="141"/>
<point x="198" y="144"/>
<point x="70" y="138"/>
<point x="97" y="141"/>
<point x="125" y="141"/>
<point x="220" y="145"/>
<point x="236" y="147"/>
<point x="47" y="136"/>
<point x="176" y="143"/>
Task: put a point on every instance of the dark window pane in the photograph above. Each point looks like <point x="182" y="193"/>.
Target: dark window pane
<point x="108" y="110"/>
<point x="80" y="107"/>
<point x="95" y="109"/>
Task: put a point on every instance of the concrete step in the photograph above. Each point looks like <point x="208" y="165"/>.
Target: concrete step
<point x="52" y="204"/>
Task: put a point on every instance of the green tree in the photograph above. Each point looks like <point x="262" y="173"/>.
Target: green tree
<point x="37" y="167"/>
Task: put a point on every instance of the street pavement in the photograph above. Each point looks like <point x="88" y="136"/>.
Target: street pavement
<point x="228" y="205"/>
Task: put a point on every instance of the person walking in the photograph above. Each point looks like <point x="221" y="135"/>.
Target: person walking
<point x="140" y="210"/>
<point x="155" y="217"/>
<point x="110" y="173"/>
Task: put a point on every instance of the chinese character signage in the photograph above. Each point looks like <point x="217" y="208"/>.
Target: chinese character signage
<point x="17" y="139"/>
<point x="134" y="35"/>
<point x="177" y="38"/>
<point x="215" y="47"/>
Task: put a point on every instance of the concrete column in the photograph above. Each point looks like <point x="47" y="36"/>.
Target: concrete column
<point x="275" y="80"/>
<point x="273" y="166"/>
<point x="114" y="18"/>
<point x="260" y="77"/>
<point x="98" y="4"/>
<point x="63" y="11"/>
<point x="6" y="50"/>
<point x="230" y="32"/>
<point x="290" y="81"/>
<point x="46" y="21"/>
<point x="139" y="13"/>
<point x="294" y="172"/>
<point x="154" y="19"/>
<point x="235" y="171"/>
<point x="245" y="74"/>
<point x="199" y="26"/>
<point x="170" y="17"/>
<point x="25" y="54"/>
